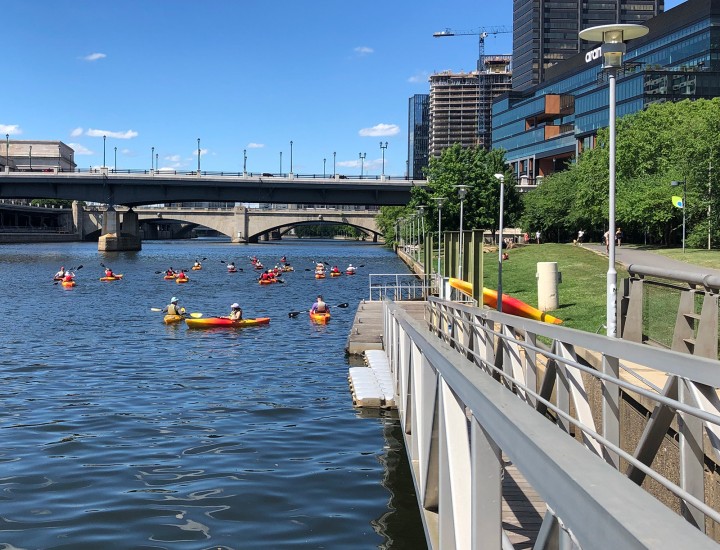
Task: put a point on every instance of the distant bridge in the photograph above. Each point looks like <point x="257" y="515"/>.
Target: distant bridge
<point x="156" y="187"/>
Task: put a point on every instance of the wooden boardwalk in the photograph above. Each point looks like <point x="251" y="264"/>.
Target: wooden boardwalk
<point x="366" y="332"/>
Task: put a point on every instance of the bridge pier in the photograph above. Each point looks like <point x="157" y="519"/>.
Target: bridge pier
<point x="116" y="236"/>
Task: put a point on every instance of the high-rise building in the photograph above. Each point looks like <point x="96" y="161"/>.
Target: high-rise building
<point x="418" y="135"/>
<point x="494" y="80"/>
<point x="546" y="32"/>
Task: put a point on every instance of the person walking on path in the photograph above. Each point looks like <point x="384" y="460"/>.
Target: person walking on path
<point x="607" y="238"/>
<point x="618" y="236"/>
<point x="581" y="234"/>
<point x="537" y="237"/>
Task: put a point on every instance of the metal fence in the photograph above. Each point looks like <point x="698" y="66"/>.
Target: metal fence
<point x="475" y="385"/>
<point x="399" y="286"/>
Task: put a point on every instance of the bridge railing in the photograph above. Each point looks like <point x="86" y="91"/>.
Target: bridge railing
<point x="475" y="386"/>
<point x="399" y="286"/>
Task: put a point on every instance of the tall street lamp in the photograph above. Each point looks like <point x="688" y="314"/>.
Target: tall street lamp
<point x="439" y="201"/>
<point x="104" y="140"/>
<point x="115" y="159"/>
<point x="421" y="227"/>
<point x="501" y="179"/>
<point x="281" y="163"/>
<point x="383" y="147"/>
<point x="156" y="161"/>
<point x="613" y="47"/>
<point x="291" y="171"/>
<point x="7" y="151"/>
<point x="462" y="192"/>
<point x="334" y="155"/>
<point x="152" y="159"/>
<point x="362" y="162"/>
<point x="324" y="167"/>
<point x="198" y="139"/>
<point x="244" y="161"/>
<point x="681" y="205"/>
<point x="31" y="158"/>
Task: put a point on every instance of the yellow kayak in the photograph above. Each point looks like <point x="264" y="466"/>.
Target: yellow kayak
<point x="171" y="319"/>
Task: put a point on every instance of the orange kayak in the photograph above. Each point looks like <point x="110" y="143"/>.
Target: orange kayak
<point x="182" y="280"/>
<point x="320" y="318"/>
<point x="210" y="322"/>
<point x="113" y="278"/>
<point x="319" y="275"/>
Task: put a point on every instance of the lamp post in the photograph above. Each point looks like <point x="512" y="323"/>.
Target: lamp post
<point x="383" y="147"/>
<point x="334" y="154"/>
<point x="462" y="192"/>
<point x="439" y="201"/>
<point x="362" y="162"/>
<point x="198" y="139"/>
<point x="115" y="170"/>
<point x="684" y="186"/>
<point x="104" y="140"/>
<point x="31" y="158"/>
<point x="324" y="167"/>
<point x="7" y="151"/>
<point x="501" y="179"/>
<point x="613" y="47"/>
<point x="244" y="161"/>
<point x="156" y="161"/>
<point x="291" y="171"/>
<point x="281" y="163"/>
<point x="152" y="159"/>
<point x="421" y="228"/>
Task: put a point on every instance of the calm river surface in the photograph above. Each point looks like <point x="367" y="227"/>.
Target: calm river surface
<point x="121" y="432"/>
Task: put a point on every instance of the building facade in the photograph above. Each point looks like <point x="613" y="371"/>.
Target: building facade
<point x="544" y="128"/>
<point x="418" y="135"/>
<point x="545" y="32"/>
<point x="36" y="156"/>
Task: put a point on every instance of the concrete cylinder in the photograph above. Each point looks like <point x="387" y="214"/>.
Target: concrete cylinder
<point x="548" y="278"/>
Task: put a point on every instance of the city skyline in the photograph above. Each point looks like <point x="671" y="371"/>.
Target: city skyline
<point x="240" y="77"/>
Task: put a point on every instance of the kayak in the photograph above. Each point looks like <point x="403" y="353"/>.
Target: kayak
<point x="210" y="322"/>
<point x="335" y="274"/>
<point x="319" y="275"/>
<point x="113" y="278"/>
<point x="196" y="267"/>
<point x="68" y="283"/>
<point x="232" y="270"/>
<point x="350" y="273"/>
<point x="288" y="268"/>
<point x="267" y="281"/>
<point x="169" y="277"/>
<point x="170" y="319"/>
<point x="182" y="280"/>
<point x="320" y="318"/>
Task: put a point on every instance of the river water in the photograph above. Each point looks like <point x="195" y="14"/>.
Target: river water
<point x="121" y="432"/>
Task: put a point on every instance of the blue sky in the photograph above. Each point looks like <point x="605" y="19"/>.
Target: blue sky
<point x="329" y="75"/>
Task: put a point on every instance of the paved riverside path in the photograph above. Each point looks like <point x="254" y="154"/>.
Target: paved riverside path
<point x="628" y="255"/>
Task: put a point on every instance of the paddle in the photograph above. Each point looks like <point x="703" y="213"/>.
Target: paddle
<point x="194" y="315"/>
<point x="294" y="314"/>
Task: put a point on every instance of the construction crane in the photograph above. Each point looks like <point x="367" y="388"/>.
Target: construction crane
<point x="482" y="33"/>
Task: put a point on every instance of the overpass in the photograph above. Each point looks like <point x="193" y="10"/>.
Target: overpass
<point x="156" y="187"/>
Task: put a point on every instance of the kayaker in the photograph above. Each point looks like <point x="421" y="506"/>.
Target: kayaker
<point x="319" y="306"/>
<point x="109" y="272"/>
<point x="181" y="275"/>
<point x="231" y="266"/>
<point x="197" y="264"/>
<point x="350" y="269"/>
<point x="60" y="274"/>
<point x="335" y="269"/>
<point x="173" y="308"/>
<point x="319" y="268"/>
<point x="283" y="259"/>
<point x="235" y="312"/>
<point x="170" y="272"/>
<point x="69" y="276"/>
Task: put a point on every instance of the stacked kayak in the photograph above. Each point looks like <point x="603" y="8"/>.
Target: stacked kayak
<point x="113" y="278"/>
<point x="320" y="318"/>
<point x="211" y="322"/>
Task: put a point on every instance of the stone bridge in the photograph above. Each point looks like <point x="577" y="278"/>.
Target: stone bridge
<point x="240" y="224"/>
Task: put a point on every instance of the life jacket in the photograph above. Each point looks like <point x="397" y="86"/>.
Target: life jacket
<point x="181" y="275"/>
<point x="321" y="307"/>
<point x="68" y="277"/>
<point x="172" y="309"/>
<point x="108" y="273"/>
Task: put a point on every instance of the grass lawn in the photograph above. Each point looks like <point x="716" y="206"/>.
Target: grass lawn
<point x="584" y="281"/>
<point x="697" y="256"/>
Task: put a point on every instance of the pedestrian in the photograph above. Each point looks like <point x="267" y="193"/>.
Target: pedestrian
<point x="581" y="234"/>
<point x="618" y="236"/>
<point x="526" y="238"/>
<point x="606" y="236"/>
<point x="537" y="237"/>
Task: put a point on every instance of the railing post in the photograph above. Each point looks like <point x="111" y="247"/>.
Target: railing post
<point x="486" y="498"/>
<point x="692" y="457"/>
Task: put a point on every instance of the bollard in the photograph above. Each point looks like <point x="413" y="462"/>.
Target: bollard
<point x="548" y="279"/>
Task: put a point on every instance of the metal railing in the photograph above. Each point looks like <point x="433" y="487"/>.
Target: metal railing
<point x="399" y="286"/>
<point x="475" y="385"/>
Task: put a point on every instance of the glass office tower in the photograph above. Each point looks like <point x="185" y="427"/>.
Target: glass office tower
<point x="545" y="32"/>
<point x="418" y="135"/>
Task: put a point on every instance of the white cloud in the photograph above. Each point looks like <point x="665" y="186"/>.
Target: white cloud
<point x="255" y="145"/>
<point x="419" y="77"/>
<point x="127" y="152"/>
<point x="128" y="134"/>
<point x="380" y="130"/>
<point x="173" y="158"/>
<point x="94" y="56"/>
<point x="203" y="152"/>
<point x="80" y="149"/>
<point x="363" y="50"/>
<point x="13" y="129"/>
<point x="76" y="132"/>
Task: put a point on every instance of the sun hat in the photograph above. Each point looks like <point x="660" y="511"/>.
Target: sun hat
<point x="173" y="300"/>
<point x="235" y="306"/>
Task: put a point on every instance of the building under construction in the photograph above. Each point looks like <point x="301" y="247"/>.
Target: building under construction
<point x="461" y="104"/>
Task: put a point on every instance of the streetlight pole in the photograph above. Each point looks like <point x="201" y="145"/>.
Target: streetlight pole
<point x="324" y="167"/>
<point x="613" y="47"/>
<point x="462" y="192"/>
<point x="198" y="140"/>
<point x="291" y="167"/>
<point x="104" y="140"/>
<point x="156" y="161"/>
<point x="501" y="179"/>
<point x="383" y="147"/>
<point x="7" y="151"/>
<point x="439" y="201"/>
<point x="31" y="158"/>
<point x="362" y="162"/>
<point x="684" y="185"/>
<point x="244" y="161"/>
<point x="421" y="229"/>
<point x="115" y="159"/>
<point x="281" y="163"/>
<point x="152" y="159"/>
<point x="334" y="154"/>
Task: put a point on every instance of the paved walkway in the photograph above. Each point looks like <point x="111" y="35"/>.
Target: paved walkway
<point x="629" y="255"/>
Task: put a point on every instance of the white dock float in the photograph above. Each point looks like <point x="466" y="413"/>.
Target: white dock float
<point x="372" y="386"/>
